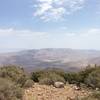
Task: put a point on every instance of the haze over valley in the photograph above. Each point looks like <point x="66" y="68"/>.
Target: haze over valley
<point x="67" y="59"/>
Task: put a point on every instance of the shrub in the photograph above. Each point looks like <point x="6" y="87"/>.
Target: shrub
<point x="14" y="73"/>
<point x="80" y="77"/>
<point x="9" y="91"/>
<point x="72" y="78"/>
<point x="93" y="79"/>
<point x="35" y="76"/>
<point x="85" y="73"/>
<point x="21" y="81"/>
<point x="11" y="72"/>
<point x="29" y="83"/>
<point x="50" y="78"/>
<point x="46" y="81"/>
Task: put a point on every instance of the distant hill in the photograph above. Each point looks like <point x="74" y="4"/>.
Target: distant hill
<point x="67" y="59"/>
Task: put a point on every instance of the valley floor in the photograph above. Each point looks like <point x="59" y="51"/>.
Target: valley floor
<point x="43" y="92"/>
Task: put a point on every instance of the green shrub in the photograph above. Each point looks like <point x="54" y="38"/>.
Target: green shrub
<point x="85" y="76"/>
<point x="50" y="78"/>
<point x="21" y="81"/>
<point x="85" y="73"/>
<point x="89" y="76"/>
<point x="11" y="72"/>
<point x="72" y="78"/>
<point x="93" y="79"/>
<point x="10" y="91"/>
<point x="15" y="74"/>
<point x="29" y="83"/>
<point x="46" y="81"/>
<point x="35" y="76"/>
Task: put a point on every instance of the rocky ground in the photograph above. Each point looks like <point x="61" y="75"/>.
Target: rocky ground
<point x="43" y="92"/>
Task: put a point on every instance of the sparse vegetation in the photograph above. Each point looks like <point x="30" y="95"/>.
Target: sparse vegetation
<point x="13" y="80"/>
<point x="9" y="90"/>
<point x="93" y="79"/>
<point x="29" y="83"/>
<point x="48" y="77"/>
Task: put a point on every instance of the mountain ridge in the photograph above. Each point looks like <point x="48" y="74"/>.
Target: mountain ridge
<point x="67" y="59"/>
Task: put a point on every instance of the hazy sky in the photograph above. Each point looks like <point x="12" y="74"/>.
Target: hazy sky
<point x="29" y="24"/>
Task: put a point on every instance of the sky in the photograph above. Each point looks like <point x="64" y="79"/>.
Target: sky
<point x="35" y="24"/>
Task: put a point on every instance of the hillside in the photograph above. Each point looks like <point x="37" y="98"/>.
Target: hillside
<point x="16" y="84"/>
<point x="67" y="59"/>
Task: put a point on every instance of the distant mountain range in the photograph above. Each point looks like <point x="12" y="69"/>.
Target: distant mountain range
<point x="67" y="59"/>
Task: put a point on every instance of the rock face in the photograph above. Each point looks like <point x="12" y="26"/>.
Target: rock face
<point x="59" y="84"/>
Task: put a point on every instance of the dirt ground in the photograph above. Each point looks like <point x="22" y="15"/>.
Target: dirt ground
<point x="43" y="92"/>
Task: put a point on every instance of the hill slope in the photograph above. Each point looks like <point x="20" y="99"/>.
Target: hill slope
<point x="68" y="59"/>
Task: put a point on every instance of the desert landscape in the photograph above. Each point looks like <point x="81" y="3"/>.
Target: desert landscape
<point x="49" y="49"/>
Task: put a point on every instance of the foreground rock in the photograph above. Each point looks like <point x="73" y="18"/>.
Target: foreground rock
<point x="59" y="84"/>
<point x="76" y="88"/>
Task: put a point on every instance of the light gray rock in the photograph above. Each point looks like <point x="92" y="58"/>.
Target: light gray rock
<point x="59" y="84"/>
<point x="97" y="89"/>
<point x="76" y="88"/>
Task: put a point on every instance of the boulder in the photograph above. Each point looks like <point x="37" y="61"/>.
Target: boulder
<point x="97" y="89"/>
<point x="76" y="87"/>
<point x="59" y="84"/>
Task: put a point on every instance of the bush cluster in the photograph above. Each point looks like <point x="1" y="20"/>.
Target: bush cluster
<point x="89" y="76"/>
<point x="48" y="76"/>
<point x="12" y="81"/>
<point x="9" y="91"/>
